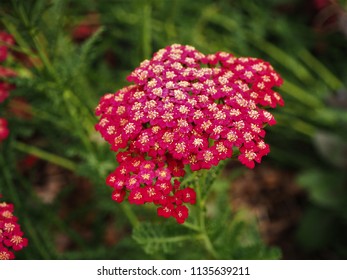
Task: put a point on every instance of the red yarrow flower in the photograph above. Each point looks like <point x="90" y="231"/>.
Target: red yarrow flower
<point x="186" y="109"/>
<point x="11" y="236"/>
<point x="6" y="40"/>
<point x="4" y="132"/>
<point x="166" y="211"/>
<point x="180" y="213"/>
<point x="17" y="242"/>
<point x="5" y="254"/>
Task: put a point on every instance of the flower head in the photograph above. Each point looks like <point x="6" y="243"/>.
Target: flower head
<point x="192" y="110"/>
<point x="11" y="236"/>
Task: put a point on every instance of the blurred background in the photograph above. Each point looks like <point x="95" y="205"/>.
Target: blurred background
<point x="69" y="53"/>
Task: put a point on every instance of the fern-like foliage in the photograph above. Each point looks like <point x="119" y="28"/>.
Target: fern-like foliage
<point x="161" y="238"/>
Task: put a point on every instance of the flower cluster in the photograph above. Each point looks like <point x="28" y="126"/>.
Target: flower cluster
<point x="11" y="235"/>
<point x="185" y="109"/>
<point x="5" y="41"/>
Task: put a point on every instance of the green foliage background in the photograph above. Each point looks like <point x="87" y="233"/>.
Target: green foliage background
<point x="64" y="88"/>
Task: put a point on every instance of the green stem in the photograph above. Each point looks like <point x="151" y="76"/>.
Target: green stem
<point x="35" y="239"/>
<point x="301" y="95"/>
<point x="72" y="99"/>
<point x="191" y="226"/>
<point x="209" y="246"/>
<point x="130" y="214"/>
<point x="178" y="238"/>
<point x="72" y="103"/>
<point x="330" y="79"/>
<point x="43" y="54"/>
<point x="60" y="161"/>
<point x="7" y="177"/>
<point x="201" y="219"/>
